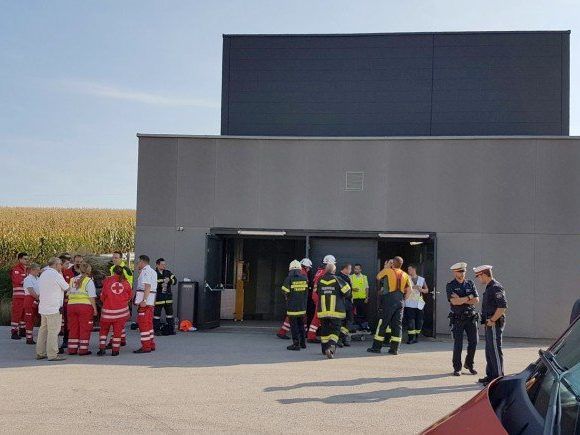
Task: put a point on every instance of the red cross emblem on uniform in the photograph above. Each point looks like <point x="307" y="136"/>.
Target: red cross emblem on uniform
<point x="117" y="288"/>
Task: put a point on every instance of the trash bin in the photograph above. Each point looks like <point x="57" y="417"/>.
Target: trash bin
<point x="187" y="301"/>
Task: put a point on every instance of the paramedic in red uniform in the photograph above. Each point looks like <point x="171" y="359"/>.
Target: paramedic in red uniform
<point x="115" y="297"/>
<point x="17" y="275"/>
<point x="31" y="300"/>
<point x="81" y="310"/>
<point x="145" y="302"/>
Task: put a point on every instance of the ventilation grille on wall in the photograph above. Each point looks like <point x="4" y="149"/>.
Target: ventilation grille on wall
<point x="354" y="181"/>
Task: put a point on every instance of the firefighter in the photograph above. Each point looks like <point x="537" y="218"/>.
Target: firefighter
<point x="395" y="289"/>
<point x="118" y="261"/>
<point x="17" y="275"/>
<point x="145" y="302"/>
<point x="315" y="323"/>
<point x="332" y="293"/>
<point x="81" y="311"/>
<point x="31" y="300"/>
<point x="115" y="297"/>
<point x="305" y="267"/>
<point x="164" y="300"/>
<point x="295" y="289"/>
<point x="67" y="272"/>
<point x="347" y="323"/>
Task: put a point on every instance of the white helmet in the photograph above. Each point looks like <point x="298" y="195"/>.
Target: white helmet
<point x="295" y="265"/>
<point x="329" y="259"/>
<point x="306" y="262"/>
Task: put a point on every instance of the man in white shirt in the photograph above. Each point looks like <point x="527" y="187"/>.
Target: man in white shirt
<point x="51" y="289"/>
<point x="145" y="302"/>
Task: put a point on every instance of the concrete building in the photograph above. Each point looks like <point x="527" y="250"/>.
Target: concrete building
<point x="232" y="211"/>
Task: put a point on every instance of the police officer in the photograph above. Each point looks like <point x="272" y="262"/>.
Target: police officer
<point x="295" y="289"/>
<point x="493" y="317"/>
<point x="164" y="300"/>
<point x="462" y="296"/>
<point x="396" y="287"/>
<point x="332" y="292"/>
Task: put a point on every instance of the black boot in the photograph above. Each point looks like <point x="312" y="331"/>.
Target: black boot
<point x="303" y="343"/>
<point x="170" y="326"/>
<point x="410" y="339"/>
<point x="376" y="347"/>
<point x="394" y="349"/>
<point x="22" y="333"/>
<point x="470" y="369"/>
<point x="101" y="352"/>
<point x="416" y="338"/>
<point x="293" y="346"/>
<point x="15" y="336"/>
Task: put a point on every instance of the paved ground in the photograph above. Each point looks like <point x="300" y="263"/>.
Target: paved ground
<point x="236" y="380"/>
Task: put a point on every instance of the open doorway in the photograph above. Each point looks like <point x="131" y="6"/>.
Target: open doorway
<point x="421" y="253"/>
<point x="254" y="269"/>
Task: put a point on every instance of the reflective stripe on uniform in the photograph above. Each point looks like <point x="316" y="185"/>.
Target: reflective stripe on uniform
<point x="296" y="313"/>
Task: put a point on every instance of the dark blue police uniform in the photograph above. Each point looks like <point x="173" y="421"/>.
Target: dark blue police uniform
<point x="463" y="318"/>
<point x="493" y="298"/>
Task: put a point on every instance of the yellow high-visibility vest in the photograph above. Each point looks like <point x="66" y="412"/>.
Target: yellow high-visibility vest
<point x="81" y="295"/>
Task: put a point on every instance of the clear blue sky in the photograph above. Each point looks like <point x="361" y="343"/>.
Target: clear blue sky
<point x="78" y="80"/>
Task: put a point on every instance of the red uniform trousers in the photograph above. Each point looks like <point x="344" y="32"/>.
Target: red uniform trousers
<point x="118" y="328"/>
<point x="145" y="324"/>
<point x="30" y="314"/>
<point x="80" y="326"/>
<point x="17" y="319"/>
<point x="315" y="323"/>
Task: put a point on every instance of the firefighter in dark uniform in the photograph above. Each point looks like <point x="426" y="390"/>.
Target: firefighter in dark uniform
<point x="295" y="289"/>
<point x="164" y="299"/>
<point x="462" y="296"/>
<point x="396" y="287"/>
<point x="347" y="323"/>
<point x="332" y="292"/>
<point x="493" y="317"/>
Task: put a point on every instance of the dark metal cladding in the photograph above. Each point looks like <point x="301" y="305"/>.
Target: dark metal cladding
<point x="423" y="84"/>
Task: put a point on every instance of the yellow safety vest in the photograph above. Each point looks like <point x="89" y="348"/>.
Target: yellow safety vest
<point x="128" y="276"/>
<point x="81" y="295"/>
<point x="359" y="285"/>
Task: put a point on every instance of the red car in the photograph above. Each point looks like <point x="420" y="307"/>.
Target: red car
<point x="542" y="399"/>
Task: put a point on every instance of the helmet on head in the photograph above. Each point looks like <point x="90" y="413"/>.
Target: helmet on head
<point x="295" y="265"/>
<point x="329" y="259"/>
<point x="306" y="262"/>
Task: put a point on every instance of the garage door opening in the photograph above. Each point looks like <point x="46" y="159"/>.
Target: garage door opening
<point x="419" y="252"/>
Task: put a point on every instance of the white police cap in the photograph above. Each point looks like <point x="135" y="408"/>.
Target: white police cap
<point x="482" y="268"/>
<point x="459" y="266"/>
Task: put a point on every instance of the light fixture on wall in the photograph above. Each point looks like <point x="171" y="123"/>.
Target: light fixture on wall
<point x="179" y="228"/>
<point x="261" y="233"/>
<point x="403" y="236"/>
<point x="415" y="243"/>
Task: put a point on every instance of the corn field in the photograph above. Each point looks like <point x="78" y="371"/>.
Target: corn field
<point x="45" y="232"/>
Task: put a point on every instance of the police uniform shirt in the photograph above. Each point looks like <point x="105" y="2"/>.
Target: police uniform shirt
<point x="296" y="289"/>
<point x="464" y="289"/>
<point x="493" y="298"/>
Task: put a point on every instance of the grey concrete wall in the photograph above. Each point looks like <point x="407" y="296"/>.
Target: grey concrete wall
<point x="511" y="202"/>
<point x="413" y="84"/>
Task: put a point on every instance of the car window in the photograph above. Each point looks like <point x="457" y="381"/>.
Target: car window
<point x="539" y="387"/>
<point x="570" y="401"/>
<point x="567" y="350"/>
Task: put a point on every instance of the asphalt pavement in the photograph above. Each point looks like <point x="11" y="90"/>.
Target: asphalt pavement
<point x="241" y="380"/>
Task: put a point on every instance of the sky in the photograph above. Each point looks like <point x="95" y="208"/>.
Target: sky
<point x="79" y="80"/>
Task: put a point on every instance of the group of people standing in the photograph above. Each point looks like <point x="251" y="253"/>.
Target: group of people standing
<point x="336" y="309"/>
<point x="64" y="295"/>
<point x="333" y="305"/>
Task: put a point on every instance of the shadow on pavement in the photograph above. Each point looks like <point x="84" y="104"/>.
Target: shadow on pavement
<point x="357" y="382"/>
<point x="381" y="395"/>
